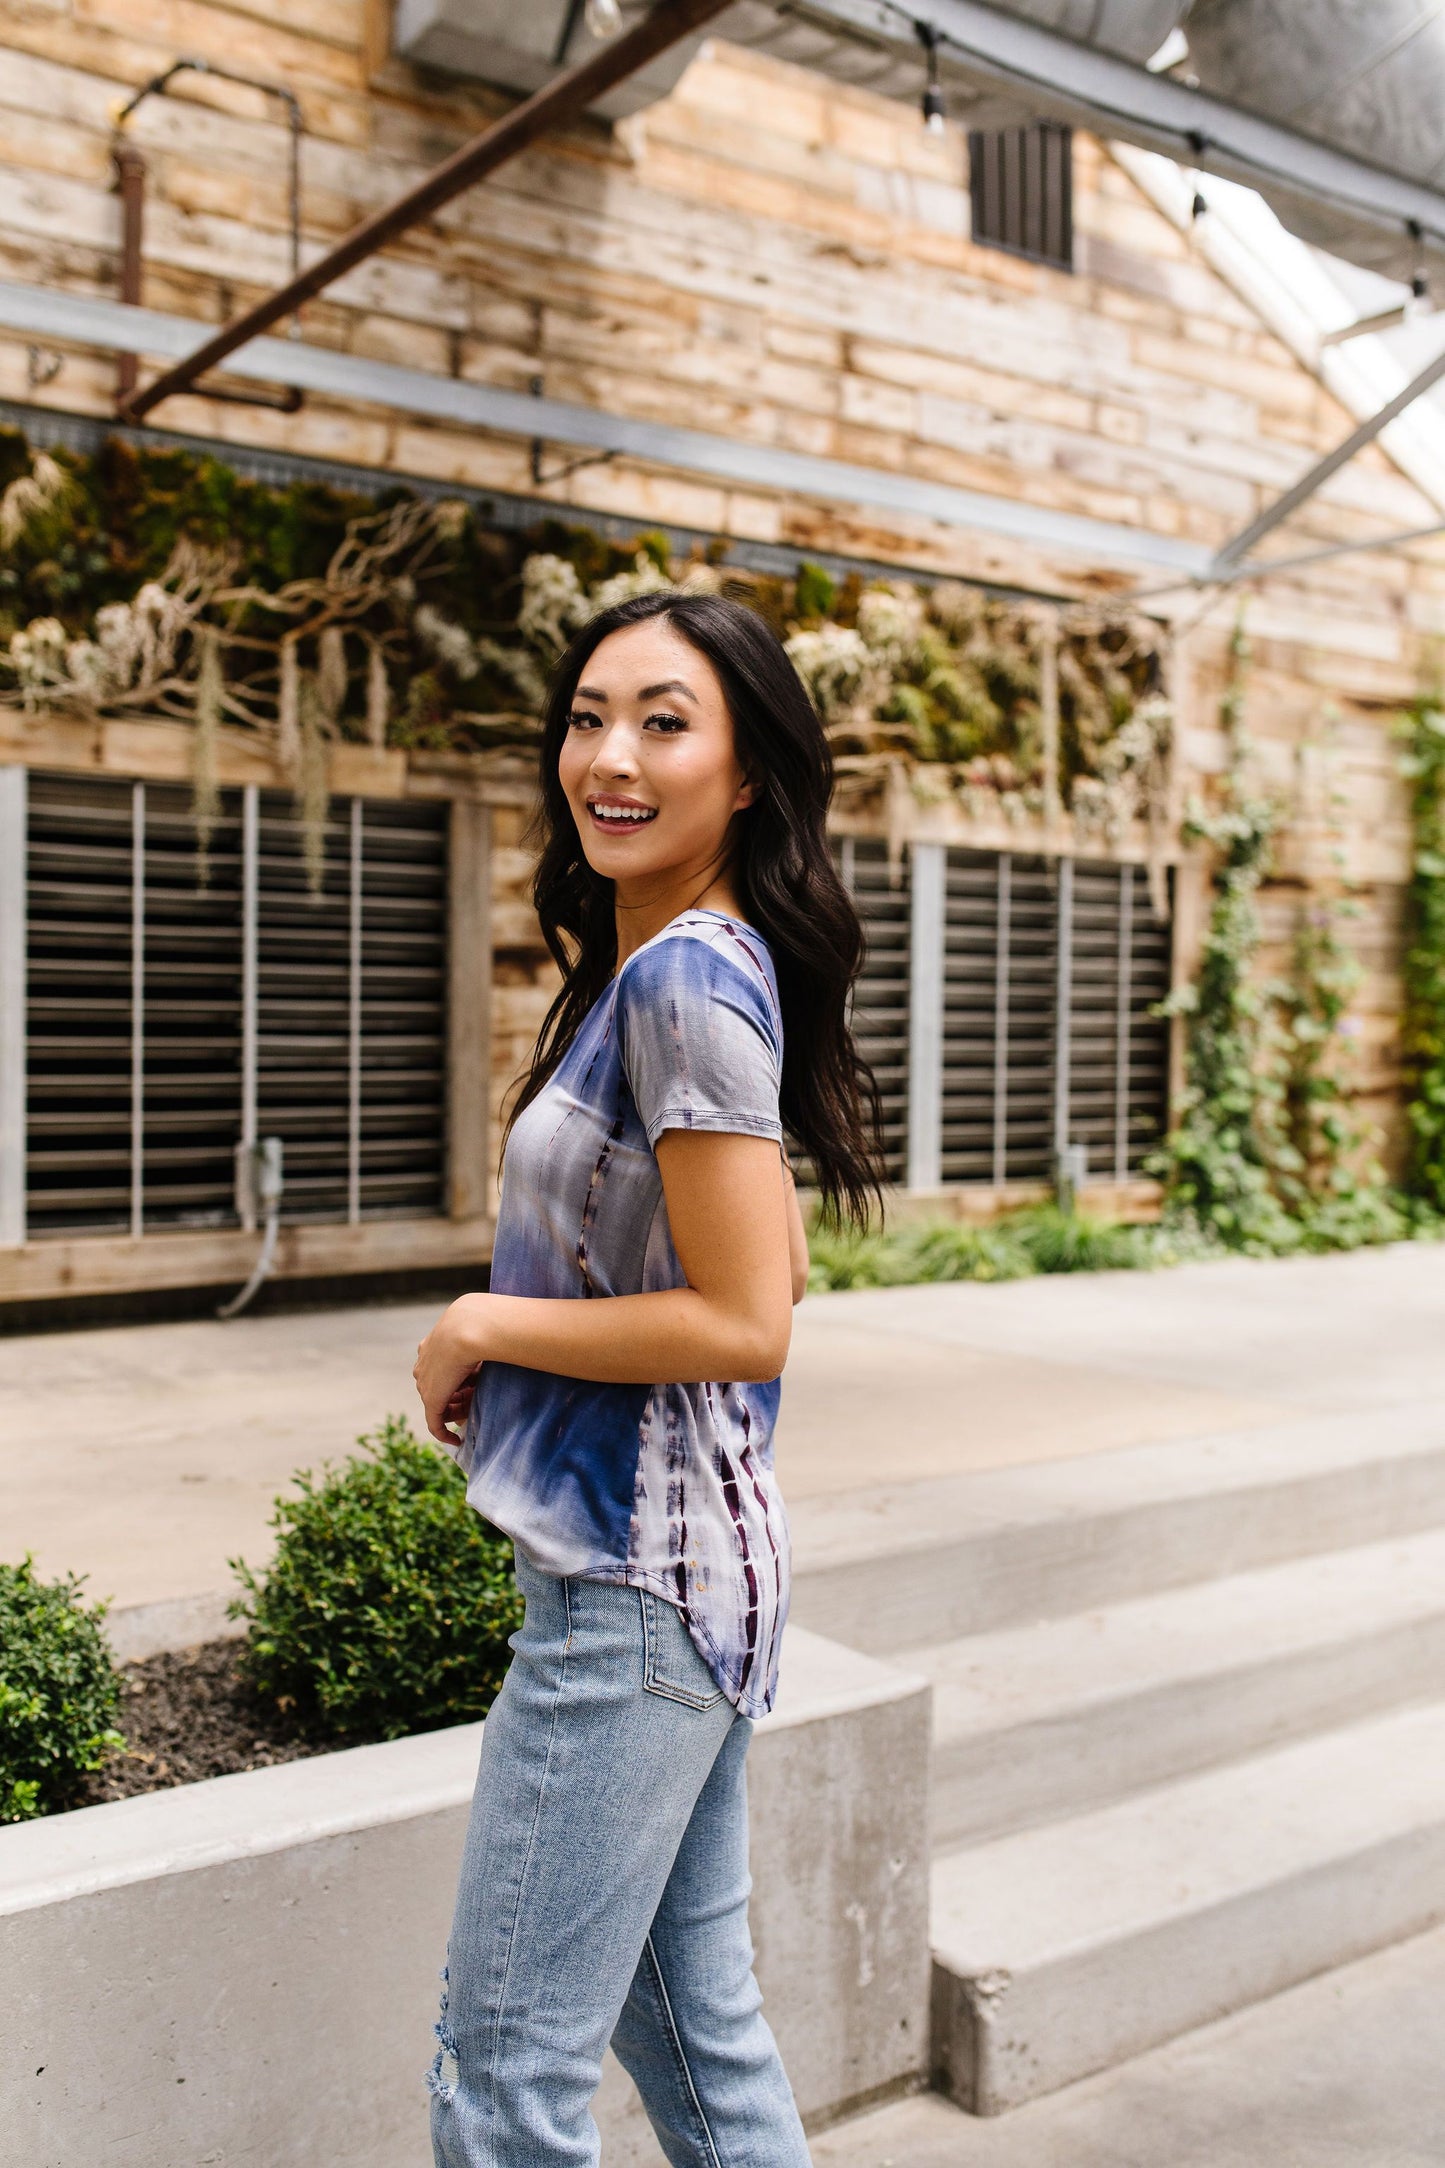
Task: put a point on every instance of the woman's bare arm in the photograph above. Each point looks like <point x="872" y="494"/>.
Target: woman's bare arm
<point x="729" y="1206"/>
<point x="798" y="1258"/>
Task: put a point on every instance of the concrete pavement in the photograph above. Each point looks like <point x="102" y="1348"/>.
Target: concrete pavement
<point x="147" y="1456"/>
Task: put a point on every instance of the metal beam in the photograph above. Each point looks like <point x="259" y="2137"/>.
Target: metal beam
<point x="1235" y="551"/>
<point x="560" y="101"/>
<point x="1061" y="79"/>
<point x="85" y="321"/>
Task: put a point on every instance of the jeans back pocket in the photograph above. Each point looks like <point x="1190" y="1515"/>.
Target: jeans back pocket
<point x="671" y="1663"/>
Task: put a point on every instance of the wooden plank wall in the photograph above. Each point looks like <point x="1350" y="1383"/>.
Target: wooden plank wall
<point x="772" y="256"/>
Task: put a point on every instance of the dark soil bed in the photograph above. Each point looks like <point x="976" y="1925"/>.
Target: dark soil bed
<point x="188" y="1714"/>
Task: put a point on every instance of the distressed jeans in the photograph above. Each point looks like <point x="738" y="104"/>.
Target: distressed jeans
<point x="603" y="1897"/>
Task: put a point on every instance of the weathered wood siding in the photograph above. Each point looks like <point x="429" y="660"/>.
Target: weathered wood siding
<point x="771" y="256"/>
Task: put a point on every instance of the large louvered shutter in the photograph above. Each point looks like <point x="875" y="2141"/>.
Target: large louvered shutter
<point x="1051" y="969"/>
<point x="174" y="1009"/>
<point x="879" y="1016"/>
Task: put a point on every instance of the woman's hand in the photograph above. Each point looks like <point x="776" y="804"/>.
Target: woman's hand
<point x="448" y="1364"/>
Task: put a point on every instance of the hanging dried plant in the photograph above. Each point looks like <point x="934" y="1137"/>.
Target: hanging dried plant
<point x="313" y="789"/>
<point x="288" y="712"/>
<point x="378" y="697"/>
<point x="331" y="671"/>
<point x="205" y="751"/>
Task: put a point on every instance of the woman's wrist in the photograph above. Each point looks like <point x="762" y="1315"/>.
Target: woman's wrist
<point x="467" y="1325"/>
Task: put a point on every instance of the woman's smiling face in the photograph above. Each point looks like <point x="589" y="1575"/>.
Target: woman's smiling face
<point x="648" y="765"/>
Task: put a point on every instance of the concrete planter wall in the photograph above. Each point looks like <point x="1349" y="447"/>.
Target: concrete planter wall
<point x="246" y="1970"/>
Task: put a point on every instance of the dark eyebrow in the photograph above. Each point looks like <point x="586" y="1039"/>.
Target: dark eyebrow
<point x="668" y="685"/>
<point x="648" y="692"/>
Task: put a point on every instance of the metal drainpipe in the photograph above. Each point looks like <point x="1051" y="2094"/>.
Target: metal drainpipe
<point x="130" y="174"/>
<point x="130" y="181"/>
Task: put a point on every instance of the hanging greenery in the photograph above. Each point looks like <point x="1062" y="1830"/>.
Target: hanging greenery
<point x="1216" y="1164"/>
<point x="1423" y="1024"/>
<point x="141" y="582"/>
<point x="1267" y="1155"/>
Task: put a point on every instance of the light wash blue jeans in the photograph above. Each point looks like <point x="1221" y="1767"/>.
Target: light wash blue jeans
<point x="603" y="1896"/>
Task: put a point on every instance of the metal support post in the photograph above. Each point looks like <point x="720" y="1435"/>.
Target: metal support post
<point x="13" y="795"/>
<point x="1063" y="1007"/>
<point x="928" y="884"/>
<point x="137" y="1008"/>
<point x="1000" y="1020"/>
<point x="1122" y="1023"/>
<point x="250" y="989"/>
<point x="353" y="1051"/>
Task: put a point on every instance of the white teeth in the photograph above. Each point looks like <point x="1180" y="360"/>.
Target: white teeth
<point x="621" y="813"/>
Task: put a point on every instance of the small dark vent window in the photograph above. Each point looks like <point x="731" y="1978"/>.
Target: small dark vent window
<point x="1022" y="193"/>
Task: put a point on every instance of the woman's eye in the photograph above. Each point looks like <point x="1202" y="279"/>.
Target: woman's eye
<point x="579" y="719"/>
<point x="669" y="723"/>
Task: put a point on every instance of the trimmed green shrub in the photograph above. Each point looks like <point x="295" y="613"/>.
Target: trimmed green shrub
<point x="59" y="1691"/>
<point x="387" y="1606"/>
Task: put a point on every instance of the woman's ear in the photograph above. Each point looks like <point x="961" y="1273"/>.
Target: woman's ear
<point x="748" y="791"/>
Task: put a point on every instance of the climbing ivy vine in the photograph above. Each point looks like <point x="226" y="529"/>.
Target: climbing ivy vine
<point x="1423" y="1032"/>
<point x="1268" y="1155"/>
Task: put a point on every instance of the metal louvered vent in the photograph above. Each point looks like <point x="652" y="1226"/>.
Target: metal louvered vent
<point x="1051" y="971"/>
<point x="175" y="1011"/>
<point x="879" y="1016"/>
<point x="1021" y="191"/>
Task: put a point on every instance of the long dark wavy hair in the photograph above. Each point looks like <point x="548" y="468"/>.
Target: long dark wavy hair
<point x="783" y="870"/>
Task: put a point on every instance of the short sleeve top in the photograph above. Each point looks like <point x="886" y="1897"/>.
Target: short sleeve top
<point x="665" y="1487"/>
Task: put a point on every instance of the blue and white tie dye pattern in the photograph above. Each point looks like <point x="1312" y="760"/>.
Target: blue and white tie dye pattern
<point x="664" y="1487"/>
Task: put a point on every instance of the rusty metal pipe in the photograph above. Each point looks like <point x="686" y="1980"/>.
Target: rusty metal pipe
<point x="130" y="181"/>
<point x="553" y="106"/>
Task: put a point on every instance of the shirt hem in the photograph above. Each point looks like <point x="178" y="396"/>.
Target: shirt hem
<point x="752" y="1706"/>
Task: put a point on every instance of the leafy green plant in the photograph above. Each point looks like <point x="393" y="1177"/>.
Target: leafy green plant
<point x="387" y="1606"/>
<point x="1037" y="1239"/>
<point x="1423" y="1032"/>
<point x="1217" y="1161"/>
<point x="59" y="1692"/>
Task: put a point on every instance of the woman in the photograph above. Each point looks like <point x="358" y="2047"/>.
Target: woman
<point x="707" y="947"/>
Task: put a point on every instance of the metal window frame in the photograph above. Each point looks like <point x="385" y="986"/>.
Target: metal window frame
<point x="250" y="992"/>
<point x="928" y="911"/>
<point x="1123" y="1023"/>
<point x="137" y="1007"/>
<point x="14" y="791"/>
<point x="1063" y="1004"/>
<point x="1003" y="937"/>
<point x="353" y="1024"/>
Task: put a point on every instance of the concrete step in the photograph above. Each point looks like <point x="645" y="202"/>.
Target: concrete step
<point x="895" y="1568"/>
<point x="1034" y="1723"/>
<point x="1069" y="1948"/>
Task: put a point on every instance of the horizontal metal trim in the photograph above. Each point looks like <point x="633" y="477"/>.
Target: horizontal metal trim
<point x="87" y="320"/>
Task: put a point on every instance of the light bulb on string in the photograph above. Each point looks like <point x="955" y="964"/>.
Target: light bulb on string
<point x="934" y="110"/>
<point x="603" y="17"/>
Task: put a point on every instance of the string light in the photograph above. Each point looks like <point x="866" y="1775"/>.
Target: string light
<point x="934" y="113"/>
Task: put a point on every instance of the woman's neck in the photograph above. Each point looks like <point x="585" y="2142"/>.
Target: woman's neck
<point x="639" y="917"/>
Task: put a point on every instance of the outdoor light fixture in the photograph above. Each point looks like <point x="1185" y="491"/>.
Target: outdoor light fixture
<point x="933" y="107"/>
<point x="604" y="17"/>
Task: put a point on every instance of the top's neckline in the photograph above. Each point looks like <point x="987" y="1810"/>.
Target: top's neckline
<point x="693" y="910"/>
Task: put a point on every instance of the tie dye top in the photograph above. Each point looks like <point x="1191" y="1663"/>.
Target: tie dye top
<point x="661" y="1487"/>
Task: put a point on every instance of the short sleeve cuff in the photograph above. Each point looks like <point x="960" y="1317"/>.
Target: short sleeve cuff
<point x="718" y="1120"/>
